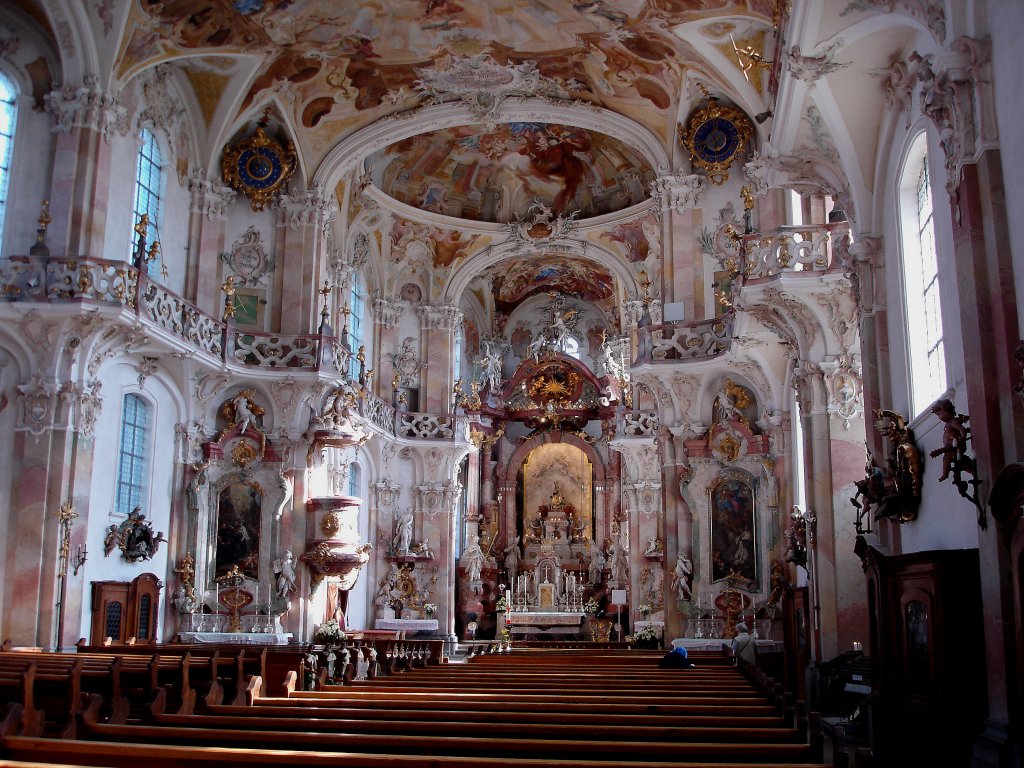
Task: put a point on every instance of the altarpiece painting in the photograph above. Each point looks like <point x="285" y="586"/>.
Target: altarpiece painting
<point x="733" y="528"/>
<point x="239" y="509"/>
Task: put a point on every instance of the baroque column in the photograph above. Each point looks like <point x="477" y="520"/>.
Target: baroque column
<point x="438" y="324"/>
<point x="303" y="222"/>
<point x="86" y="118"/>
<point x="209" y="201"/>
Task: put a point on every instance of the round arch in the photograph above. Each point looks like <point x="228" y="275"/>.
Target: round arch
<point x="350" y="153"/>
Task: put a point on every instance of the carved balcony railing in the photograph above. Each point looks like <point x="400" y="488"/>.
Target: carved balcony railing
<point x="379" y="413"/>
<point x="274" y="351"/>
<point x="639" y="424"/>
<point x="118" y="284"/>
<point x="813" y="248"/>
<point x="672" y="342"/>
<point x="426" y="426"/>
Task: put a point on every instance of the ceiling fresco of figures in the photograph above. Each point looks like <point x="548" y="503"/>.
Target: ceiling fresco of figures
<point x="341" y="65"/>
<point x="514" y="282"/>
<point x="496" y="175"/>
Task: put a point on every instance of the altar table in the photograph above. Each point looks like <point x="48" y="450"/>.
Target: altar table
<point x="407" y="627"/>
<point x="547" y="622"/>
<point x="239" y="638"/>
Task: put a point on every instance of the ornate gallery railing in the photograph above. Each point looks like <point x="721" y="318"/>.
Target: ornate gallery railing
<point x="378" y="413"/>
<point x="699" y="340"/>
<point x="639" y="424"/>
<point x="815" y="248"/>
<point x="116" y="283"/>
<point x="429" y="426"/>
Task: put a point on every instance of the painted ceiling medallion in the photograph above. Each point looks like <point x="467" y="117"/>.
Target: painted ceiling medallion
<point x="258" y="166"/>
<point x="715" y="136"/>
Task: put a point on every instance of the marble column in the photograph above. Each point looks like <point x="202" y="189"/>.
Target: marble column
<point x="989" y="318"/>
<point x="386" y="316"/>
<point x="86" y="119"/>
<point x="206" y="241"/>
<point x="438" y="324"/>
<point x="53" y="463"/>
<point x="303" y="220"/>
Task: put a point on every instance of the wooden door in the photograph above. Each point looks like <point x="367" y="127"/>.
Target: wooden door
<point x="125" y="611"/>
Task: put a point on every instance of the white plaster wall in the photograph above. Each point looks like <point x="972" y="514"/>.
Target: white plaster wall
<point x="120" y="379"/>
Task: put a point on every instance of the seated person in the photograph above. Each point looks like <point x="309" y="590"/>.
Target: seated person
<point x="677" y="658"/>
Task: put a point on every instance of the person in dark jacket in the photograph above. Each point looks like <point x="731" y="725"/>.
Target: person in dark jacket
<point x="677" y="658"/>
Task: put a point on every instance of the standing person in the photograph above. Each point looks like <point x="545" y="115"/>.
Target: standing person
<point x="743" y="646"/>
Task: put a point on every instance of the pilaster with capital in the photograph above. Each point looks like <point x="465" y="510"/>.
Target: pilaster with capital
<point x="303" y="223"/>
<point x="439" y="324"/>
<point x="86" y="119"/>
<point x="386" y="315"/>
<point x="209" y="200"/>
<point x="833" y="449"/>
<point x="53" y="451"/>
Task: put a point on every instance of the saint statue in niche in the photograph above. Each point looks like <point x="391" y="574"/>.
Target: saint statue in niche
<point x="238" y="529"/>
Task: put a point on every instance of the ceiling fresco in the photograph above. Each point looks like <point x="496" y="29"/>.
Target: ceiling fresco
<point x="341" y="65"/>
<point x="514" y="282"/>
<point x="496" y="175"/>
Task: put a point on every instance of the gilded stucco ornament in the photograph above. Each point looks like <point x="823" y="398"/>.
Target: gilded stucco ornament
<point x="715" y="136"/>
<point x="258" y="166"/>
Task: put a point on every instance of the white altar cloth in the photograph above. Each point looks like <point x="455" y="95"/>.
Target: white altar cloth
<point x="410" y="626"/>
<point x="241" y="638"/>
<point x="720" y="643"/>
<point x="545" y="619"/>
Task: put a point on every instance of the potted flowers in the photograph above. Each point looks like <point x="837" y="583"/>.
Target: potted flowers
<point x="502" y="605"/>
<point x="591" y="607"/>
<point x="646" y="637"/>
<point x="328" y="633"/>
<point x="645" y="610"/>
<point x="429" y="609"/>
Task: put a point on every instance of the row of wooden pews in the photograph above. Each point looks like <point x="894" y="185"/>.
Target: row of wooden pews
<point x="538" y="708"/>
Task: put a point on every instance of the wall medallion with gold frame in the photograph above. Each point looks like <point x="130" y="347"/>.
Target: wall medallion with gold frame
<point x="715" y="136"/>
<point x="258" y="166"/>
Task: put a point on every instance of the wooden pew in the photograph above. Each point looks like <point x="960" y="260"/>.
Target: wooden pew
<point x="461" y="744"/>
<point x="130" y="755"/>
<point x="17" y="689"/>
<point x="283" y="709"/>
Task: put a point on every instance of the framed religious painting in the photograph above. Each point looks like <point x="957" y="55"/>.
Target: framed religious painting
<point x="733" y="527"/>
<point x="239" y="510"/>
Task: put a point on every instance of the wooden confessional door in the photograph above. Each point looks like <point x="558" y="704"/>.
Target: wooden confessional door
<point x="124" y="611"/>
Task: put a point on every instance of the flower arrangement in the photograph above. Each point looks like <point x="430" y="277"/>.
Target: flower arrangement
<point x="502" y="605"/>
<point x="328" y="633"/>
<point x="430" y="609"/>
<point x="645" y="610"/>
<point x="591" y="607"/>
<point x="648" y="635"/>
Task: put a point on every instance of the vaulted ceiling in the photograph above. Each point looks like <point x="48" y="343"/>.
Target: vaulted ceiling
<point x="606" y="84"/>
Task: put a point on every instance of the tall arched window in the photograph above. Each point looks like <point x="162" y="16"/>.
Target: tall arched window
<point x="356" y="306"/>
<point x="8" y="122"/>
<point x="927" y="355"/>
<point x="131" y="463"/>
<point x="148" y="183"/>
<point x="353" y="479"/>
